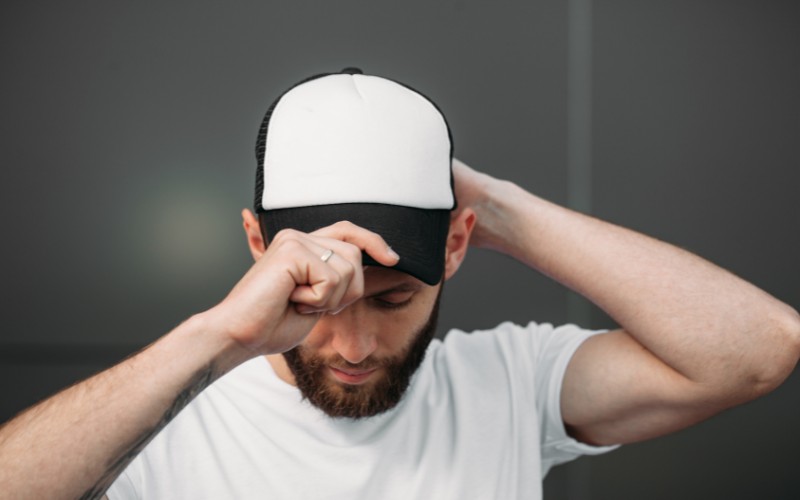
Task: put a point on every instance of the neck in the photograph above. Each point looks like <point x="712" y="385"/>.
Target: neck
<point x="281" y="368"/>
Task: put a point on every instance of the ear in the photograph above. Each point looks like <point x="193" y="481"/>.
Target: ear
<point x="461" y="225"/>
<point x="252" y="229"/>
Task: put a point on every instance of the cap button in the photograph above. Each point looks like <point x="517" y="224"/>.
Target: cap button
<point x="352" y="71"/>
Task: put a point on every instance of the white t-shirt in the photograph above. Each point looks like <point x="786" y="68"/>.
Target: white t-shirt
<point x="480" y="420"/>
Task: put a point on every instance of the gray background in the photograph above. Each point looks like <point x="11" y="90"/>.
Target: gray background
<point x="127" y="148"/>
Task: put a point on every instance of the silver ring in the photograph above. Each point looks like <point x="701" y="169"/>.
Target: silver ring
<point x="327" y="255"/>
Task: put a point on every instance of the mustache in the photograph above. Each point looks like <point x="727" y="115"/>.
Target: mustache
<point x="337" y="361"/>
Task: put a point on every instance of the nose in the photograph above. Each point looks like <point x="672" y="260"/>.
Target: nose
<point x="351" y="335"/>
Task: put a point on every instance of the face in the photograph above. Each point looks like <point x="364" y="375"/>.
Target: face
<point x="359" y="363"/>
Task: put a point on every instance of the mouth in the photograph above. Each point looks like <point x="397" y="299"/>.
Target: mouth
<point x="352" y="377"/>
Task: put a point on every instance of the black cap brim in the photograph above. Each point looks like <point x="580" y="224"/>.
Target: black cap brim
<point x="418" y="235"/>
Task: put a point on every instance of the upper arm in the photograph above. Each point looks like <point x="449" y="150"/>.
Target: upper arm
<point x="615" y="391"/>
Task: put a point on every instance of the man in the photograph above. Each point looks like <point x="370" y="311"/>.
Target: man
<point x="326" y="383"/>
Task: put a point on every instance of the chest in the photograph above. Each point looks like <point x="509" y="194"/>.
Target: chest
<point x="224" y="451"/>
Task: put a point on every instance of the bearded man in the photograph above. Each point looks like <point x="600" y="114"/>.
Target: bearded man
<point x="318" y="375"/>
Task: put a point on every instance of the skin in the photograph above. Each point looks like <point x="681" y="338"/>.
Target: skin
<point x="367" y="327"/>
<point x="273" y="308"/>
<point x="693" y="339"/>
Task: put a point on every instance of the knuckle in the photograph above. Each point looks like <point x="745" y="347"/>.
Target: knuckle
<point x="283" y="235"/>
<point x="348" y="271"/>
<point x="353" y="254"/>
<point x="345" y="225"/>
<point x="334" y="280"/>
<point x="289" y="244"/>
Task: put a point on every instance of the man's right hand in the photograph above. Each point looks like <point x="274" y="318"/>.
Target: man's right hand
<point x="278" y="301"/>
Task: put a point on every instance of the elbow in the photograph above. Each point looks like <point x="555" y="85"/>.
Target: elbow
<point x="792" y="329"/>
<point x="784" y="339"/>
<point x="789" y="330"/>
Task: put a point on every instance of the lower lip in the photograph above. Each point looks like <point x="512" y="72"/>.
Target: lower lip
<point x="348" y="378"/>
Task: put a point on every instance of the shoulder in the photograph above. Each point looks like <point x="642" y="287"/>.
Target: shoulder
<point x="508" y="350"/>
<point x="510" y="340"/>
<point x="520" y="361"/>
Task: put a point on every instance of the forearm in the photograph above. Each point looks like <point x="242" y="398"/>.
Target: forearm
<point x="707" y="324"/>
<point x="76" y="443"/>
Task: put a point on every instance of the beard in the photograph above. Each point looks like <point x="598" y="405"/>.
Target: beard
<point x="367" y="400"/>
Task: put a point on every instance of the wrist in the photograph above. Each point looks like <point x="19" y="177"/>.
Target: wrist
<point x="208" y="336"/>
<point x="497" y="227"/>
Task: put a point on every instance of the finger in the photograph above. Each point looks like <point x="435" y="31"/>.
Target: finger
<point x="346" y="260"/>
<point x="372" y="243"/>
<point x="346" y="283"/>
<point x="321" y="285"/>
<point x="318" y="286"/>
<point x="352" y="273"/>
<point x="333" y="283"/>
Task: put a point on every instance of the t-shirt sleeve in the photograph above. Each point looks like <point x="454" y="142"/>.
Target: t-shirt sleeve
<point x="554" y="349"/>
<point x="122" y="488"/>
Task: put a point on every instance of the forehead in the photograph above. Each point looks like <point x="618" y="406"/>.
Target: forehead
<point x="377" y="279"/>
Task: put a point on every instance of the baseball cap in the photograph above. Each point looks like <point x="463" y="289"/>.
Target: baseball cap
<point x="362" y="148"/>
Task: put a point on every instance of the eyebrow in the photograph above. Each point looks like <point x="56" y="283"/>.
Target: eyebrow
<point x="402" y="287"/>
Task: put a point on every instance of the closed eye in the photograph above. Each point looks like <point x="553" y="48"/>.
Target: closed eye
<point x="393" y="300"/>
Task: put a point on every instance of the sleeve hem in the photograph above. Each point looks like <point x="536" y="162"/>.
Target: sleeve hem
<point x="566" y="443"/>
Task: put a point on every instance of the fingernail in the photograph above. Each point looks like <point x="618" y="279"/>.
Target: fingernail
<point x="392" y="253"/>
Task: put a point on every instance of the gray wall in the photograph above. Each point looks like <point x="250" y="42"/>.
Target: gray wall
<point x="127" y="148"/>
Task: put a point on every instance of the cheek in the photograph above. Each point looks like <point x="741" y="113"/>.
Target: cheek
<point x="393" y="330"/>
<point x="401" y="328"/>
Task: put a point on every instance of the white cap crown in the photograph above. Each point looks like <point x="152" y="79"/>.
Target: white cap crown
<point x="353" y="138"/>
